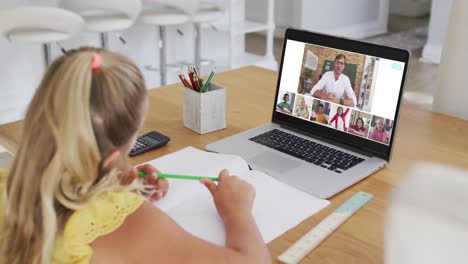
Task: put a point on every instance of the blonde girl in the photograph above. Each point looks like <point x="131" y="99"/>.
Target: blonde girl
<point x="71" y="196"/>
<point x="302" y="109"/>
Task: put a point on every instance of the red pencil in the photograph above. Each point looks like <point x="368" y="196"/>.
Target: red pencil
<point x="195" y="87"/>
<point x="184" y="81"/>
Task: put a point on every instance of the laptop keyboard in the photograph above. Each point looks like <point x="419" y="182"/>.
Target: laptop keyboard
<point x="307" y="150"/>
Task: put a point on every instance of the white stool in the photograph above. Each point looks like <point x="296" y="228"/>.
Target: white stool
<point x="208" y="11"/>
<point x="163" y="13"/>
<point x="35" y="24"/>
<point x="104" y="16"/>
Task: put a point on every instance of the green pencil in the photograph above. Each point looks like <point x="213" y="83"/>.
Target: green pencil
<point x="179" y="177"/>
<point x="207" y="83"/>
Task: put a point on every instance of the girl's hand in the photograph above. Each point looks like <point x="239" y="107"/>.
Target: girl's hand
<point x="232" y="196"/>
<point x="159" y="186"/>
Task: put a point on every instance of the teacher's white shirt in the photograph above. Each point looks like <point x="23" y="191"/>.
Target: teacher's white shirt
<point x="327" y="84"/>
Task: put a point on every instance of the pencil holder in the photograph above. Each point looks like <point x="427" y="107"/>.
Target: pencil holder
<point x="205" y="112"/>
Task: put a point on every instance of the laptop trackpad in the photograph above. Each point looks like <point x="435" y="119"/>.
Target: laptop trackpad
<point x="274" y="161"/>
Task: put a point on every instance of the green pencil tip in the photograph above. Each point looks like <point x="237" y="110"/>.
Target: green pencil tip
<point x="142" y="174"/>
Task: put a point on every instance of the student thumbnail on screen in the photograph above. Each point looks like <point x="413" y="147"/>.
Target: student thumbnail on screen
<point x="285" y="102"/>
<point x="339" y="118"/>
<point x="320" y="111"/>
<point x="303" y="107"/>
<point x="381" y="130"/>
<point x="360" y="123"/>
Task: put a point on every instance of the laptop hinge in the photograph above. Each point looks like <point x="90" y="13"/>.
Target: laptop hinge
<point x="327" y="140"/>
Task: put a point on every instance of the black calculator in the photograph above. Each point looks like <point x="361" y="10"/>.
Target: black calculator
<point x="147" y="142"/>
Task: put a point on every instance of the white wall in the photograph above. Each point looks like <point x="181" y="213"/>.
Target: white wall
<point x="452" y="91"/>
<point x="22" y="66"/>
<point x="334" y="14"/>
<point x="354" y="19"/>
<point x="440" y="12"/>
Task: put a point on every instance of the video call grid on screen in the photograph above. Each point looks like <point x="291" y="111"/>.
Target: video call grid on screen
<point x="374" y="81"/>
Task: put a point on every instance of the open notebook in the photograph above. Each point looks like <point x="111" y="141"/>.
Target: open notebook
<point x="277" y="207"/>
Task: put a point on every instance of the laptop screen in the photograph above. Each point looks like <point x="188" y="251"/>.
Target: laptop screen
<point x="352" y="93"/>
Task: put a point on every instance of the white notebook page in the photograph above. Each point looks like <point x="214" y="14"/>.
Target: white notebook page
<point x="191" y="161"/>
<point x="277" y="206"/>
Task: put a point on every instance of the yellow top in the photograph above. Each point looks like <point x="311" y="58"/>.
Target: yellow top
<point x="321" y="118"/>
<point x="104" y="215"/>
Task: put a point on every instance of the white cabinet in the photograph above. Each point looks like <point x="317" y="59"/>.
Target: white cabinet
<point x="411" y="8"/>
<point x="246" y="26"/>
<point x="238" y="24"/>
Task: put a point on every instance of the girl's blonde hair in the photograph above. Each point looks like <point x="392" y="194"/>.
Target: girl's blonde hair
<point x="77" y="117"/>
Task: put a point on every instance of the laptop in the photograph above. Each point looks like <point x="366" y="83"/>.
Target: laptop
<point x="334" y="115"/>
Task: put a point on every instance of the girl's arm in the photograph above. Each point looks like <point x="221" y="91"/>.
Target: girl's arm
<point x="345" y="113"/>
<point x="357" y="132"/>
<point x="334" y="119"/>
<point x="151" y="236"/>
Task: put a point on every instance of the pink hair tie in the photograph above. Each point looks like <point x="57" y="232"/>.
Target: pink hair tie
<point x="97" y="61"/>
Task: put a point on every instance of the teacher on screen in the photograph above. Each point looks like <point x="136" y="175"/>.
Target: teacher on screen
<point x="334" y="86"/>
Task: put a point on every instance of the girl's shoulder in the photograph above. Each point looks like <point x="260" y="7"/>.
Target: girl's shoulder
<point x="103" y="215"/>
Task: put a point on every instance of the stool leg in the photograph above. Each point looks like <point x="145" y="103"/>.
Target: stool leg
<point x="162" y="54"/>
<point x="197" y="45"/>
<point x="104" y="40"/>
<point x="47" y="54"/>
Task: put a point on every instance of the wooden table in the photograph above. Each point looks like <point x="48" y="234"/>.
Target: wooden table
<point x="420" y="135"/>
